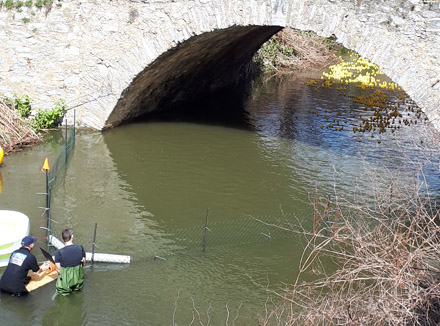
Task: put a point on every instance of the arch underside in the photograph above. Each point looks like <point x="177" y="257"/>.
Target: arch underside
<point x="203" y="64"/>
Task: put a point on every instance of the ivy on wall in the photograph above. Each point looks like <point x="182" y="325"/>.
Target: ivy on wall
<point x="19" y="6"/>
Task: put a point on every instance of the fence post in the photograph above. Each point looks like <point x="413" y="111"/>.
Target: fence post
<point x="94" y="243"/>
<point x="66" y="151"/>
<point x="46" y="169"/>
<point x="206" y="229"/>
<point x="47" y="205"/>
<point x="74" y="127"/>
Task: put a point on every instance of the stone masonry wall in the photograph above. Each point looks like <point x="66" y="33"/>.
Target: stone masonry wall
<point x="91" y="53"/>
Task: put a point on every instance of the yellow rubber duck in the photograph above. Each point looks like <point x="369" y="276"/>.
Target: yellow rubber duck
<point x="2" y="153"/>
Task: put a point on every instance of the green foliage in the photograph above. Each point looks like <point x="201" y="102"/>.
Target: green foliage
<point x="273" y="51"/>
<point x="275" y="47"/>
<point x="43" y="119"/>
<point x="25" y="20"/>
<point x="22" y="105"/>
<point x="9" y="4"/>
<point x="49" y="118"/>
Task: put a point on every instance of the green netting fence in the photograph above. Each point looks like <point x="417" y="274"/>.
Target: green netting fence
<point x="236" y="232"/>
<point x="228" y="234"/>
<point x="56" y="168"/>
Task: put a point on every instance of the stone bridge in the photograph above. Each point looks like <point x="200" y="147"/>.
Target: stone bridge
<point x="115" y="60"/>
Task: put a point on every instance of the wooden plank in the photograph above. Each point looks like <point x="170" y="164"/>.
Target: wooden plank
<point x="40" y="279"/>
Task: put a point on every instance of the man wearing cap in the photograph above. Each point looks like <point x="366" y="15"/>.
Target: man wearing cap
<point x="21" y="261"/>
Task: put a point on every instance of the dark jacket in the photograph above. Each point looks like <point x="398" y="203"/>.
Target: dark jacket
<point x="14" y="277"/>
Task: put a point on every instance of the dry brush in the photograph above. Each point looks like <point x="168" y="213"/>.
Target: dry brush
<point x="15" y="132"/>
<point x="385" y="267"/>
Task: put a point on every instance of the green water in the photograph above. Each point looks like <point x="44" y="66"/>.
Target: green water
<point x="149" y="185"/>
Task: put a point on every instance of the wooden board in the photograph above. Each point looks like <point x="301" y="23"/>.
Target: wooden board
<point x="40" y="279"/>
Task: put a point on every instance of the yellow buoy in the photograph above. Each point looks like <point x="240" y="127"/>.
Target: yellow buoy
<point x="1" y="155"/>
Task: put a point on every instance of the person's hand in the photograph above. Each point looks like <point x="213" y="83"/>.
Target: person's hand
<point x="45" y="266"/>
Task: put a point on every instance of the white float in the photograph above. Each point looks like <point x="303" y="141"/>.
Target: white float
<point x="97" y="257"/>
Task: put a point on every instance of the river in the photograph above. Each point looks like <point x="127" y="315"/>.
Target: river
<point x="151" y="185"/>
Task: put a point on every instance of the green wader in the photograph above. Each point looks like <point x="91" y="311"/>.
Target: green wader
<point x="70" y="279"/>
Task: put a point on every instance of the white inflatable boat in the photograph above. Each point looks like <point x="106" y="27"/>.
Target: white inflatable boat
<point x="14" y="226"/>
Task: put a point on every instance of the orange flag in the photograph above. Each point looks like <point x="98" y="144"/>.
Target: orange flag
<point x="45" y="165"/>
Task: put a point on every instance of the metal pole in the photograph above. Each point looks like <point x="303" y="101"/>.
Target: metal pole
<point x="94" y="243"/>
<point x="47" y="193"/>
<point x="74" y="124"/>
<point x="67" y="146"/>
<point x="206" y="229"/>
<point x="47" y="206"/>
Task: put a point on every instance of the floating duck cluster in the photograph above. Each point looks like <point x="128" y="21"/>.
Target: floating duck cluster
<point x="387" y="107"/>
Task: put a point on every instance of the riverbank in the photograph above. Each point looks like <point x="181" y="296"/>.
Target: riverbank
<point x="15" y="132"/>
<point x="291" y="50"/>
<point x="20" y="126"/>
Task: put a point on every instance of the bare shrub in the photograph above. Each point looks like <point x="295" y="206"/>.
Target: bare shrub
<point x="204" y="318"/>
<point x="386" y="266"/>
<point x="291" y="50"/>
<point x="15" y="132"/>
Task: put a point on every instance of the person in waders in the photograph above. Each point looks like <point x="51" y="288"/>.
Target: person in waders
<point x="69" y="263"/>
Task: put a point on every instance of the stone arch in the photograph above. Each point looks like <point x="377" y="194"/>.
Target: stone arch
<point x="96" y="55"/>
<point x="201" y="65"/>
<point x="389" y="35"/>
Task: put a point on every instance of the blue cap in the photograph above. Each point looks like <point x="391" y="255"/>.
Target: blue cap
<point x="28" y="240"/>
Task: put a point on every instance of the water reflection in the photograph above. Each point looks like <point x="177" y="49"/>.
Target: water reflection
<point x="148" y="186"/>
<point x="21" y="310"/>
<point x="94" y="191"/>
<point x="300" y="114"/>
<point x="69" y="311"/>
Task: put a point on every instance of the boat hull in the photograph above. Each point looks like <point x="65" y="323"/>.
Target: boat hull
<point x="14" y="226"/>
